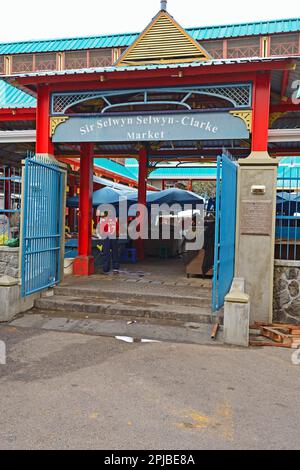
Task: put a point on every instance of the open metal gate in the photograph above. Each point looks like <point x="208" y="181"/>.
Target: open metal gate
<point x="42" y="236"/>
<point x="225" y="229"/>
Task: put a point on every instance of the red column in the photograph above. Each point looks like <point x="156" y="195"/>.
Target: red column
<point x="43" y="140"/>
<point x="142" y="194"/>
<point x="84" y="263"/>
<point x="260" y="115"/>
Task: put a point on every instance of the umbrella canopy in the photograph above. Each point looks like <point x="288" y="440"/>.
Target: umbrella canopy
<point x="174" y="196"/>
<point x="285" y="196"/>
<point x="104" y="195"/>
<point x="107" y="196"/>
<point x="171" y="196"/>
<point x="168" y="196"/>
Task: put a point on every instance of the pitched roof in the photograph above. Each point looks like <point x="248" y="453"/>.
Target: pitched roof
<point x="163" y="41"/>
<point x="126" y="39"/>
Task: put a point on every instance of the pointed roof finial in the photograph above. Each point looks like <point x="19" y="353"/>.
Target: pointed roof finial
<point x="163" y="5"/>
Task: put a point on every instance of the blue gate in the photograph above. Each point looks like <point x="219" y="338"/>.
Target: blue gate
<point x="42" y="223"/>
<point x="224" y="230"/>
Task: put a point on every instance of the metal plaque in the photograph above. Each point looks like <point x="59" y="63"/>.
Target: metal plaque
<point x="256" y="218"/>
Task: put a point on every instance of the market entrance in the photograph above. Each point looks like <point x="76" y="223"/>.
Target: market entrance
<point x="166" y="99"/>
<point x="153" y="125"/>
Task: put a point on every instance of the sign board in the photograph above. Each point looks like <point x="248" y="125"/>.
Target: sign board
<point x="256" y="217"/>
<point x="151" y="127"/>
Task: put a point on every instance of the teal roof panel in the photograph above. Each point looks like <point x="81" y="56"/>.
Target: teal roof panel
<point x="246" y="29"/>
<point x="184" y="172"/>
<point x="110" y="165"/>
<point x="11" y="97"/>
<point x="126" y="39"/>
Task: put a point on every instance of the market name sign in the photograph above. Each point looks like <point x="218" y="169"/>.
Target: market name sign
<point x="138" y="128"/>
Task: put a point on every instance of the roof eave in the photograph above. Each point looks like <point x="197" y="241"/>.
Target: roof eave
<point x="29" y="82"/>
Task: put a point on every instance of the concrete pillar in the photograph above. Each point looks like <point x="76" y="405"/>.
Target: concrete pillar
<point x="237" y="315"/>
<point x="256" y="211"/>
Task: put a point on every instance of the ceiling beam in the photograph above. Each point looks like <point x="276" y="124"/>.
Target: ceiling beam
<point x="284" y="135"/>
<point x="285" y="107"/>
<point x="17" y="114"/>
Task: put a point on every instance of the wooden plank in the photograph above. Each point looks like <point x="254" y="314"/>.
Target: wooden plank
<point x="275" y="335"/>
<point x="267" y="343"/>
<point x="288" y="328"/>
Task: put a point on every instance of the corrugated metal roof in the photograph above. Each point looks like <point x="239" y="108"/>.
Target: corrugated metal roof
<point x="126" y="39"/>
<point x="288" y="173"/>
<point x="114" y="167"/>
<point x="12" y="97"/>
<point x="288" y="161"/>
<point x="183" y="172"/>
<point x="246" y="29"/>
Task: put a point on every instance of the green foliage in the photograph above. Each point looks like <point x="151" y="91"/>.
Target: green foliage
<point x="205" y="188"/>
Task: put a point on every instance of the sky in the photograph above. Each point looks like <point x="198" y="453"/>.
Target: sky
<point x="39" y="19"/>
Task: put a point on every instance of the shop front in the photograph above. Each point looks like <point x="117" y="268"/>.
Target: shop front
<point x="159" y="105"/>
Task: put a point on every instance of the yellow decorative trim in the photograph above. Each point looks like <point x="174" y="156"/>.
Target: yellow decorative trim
<point x="150" y="169"/>
<point x="246" y="116"/>
<point x="164" y="41"/>
<point x="56" y="121"/>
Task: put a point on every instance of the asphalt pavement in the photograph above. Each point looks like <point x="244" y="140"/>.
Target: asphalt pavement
<point x="64" y="390"/>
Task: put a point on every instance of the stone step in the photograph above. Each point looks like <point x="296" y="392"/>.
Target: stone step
<point x="203" y="299"/>
<point x="128" y="309"/>
<point x="157" y="330"/>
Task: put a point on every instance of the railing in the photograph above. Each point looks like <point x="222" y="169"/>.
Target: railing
<point x="42" y="223"/>
<point x="287" y="243"/>
<point x="10" y="203"/>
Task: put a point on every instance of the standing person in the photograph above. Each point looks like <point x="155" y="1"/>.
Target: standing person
<point x="109" y="232"/>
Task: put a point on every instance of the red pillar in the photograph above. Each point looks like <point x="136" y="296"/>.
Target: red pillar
<point x="260" y="116"/>
<point x="43" y="140"/>
<point x="142" y="194"/>
<point x="84" y="263"/>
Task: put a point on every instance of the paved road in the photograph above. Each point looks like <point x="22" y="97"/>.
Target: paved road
<point x="65" y="390"/>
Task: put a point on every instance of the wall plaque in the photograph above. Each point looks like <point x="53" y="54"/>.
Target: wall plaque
<point x="256" y="217"/>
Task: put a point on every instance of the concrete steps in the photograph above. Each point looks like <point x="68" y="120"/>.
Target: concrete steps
<point x="142" y="329"/>
<point x="139" y="294"/>
<point x="128" y="299"/>
<point x="136" y="307"/>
